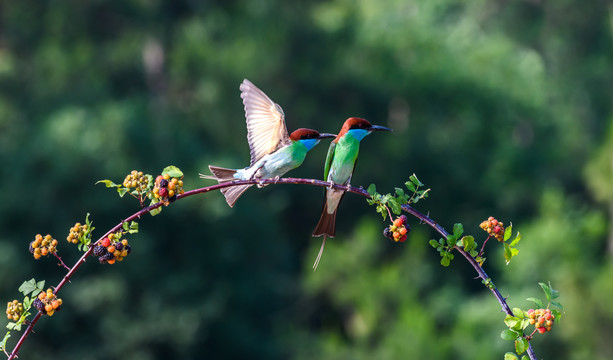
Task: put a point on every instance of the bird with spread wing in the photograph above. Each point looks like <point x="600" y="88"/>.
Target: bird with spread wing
<point x="274" y="152"/>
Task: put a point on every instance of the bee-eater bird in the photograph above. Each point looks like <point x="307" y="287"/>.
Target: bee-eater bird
<point x="273" y="151"/>
<point x="340" y="163"/>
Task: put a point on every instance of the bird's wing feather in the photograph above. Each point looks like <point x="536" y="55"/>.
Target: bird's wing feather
<point x="329" y="158"/>
<point x="266" y="129"/>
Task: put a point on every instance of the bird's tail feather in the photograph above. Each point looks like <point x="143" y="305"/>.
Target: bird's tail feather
<point x="321" y="252"/>
<point x="223" y="175"/>
<point x="327" y="223"/>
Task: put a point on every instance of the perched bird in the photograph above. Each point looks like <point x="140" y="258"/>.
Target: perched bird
<point x="340" y="162"/>
<point x="273" y="151"/>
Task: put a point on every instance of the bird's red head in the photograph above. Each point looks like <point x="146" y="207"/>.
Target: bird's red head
<point x="304" y="134"/>
<point x="353" y="123"/>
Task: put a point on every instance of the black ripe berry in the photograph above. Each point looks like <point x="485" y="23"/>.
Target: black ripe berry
<point x="403" y="218"/>
<point x="128" y="249"/>
<point x="106" y="257"/>
<point x="31" y="248"/>
<point x="163" y="183"/>
<point x="172" y="198"/>
<point x="99" y="250"/>
<point x="387" y="232"/>
<point x="118" y="246"/>
<point x="38" y="304"/>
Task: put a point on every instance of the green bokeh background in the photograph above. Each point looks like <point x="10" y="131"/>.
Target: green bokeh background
<point x="501" y="108"/>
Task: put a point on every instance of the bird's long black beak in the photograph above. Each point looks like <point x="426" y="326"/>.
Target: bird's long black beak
<point x="326" y="135"/>
<point x="379" y="128"/>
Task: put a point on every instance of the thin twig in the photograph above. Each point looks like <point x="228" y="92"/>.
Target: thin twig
<point x="359" y="191"/>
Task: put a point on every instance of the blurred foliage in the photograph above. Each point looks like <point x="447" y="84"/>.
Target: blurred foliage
<point x="496" y="106"/>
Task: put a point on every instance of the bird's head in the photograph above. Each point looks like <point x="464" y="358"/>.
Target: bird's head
<point x="359" y="128"/>
<point x="308" y="137"/>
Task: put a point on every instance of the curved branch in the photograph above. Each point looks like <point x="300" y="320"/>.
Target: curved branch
<point x="355" y="190"/>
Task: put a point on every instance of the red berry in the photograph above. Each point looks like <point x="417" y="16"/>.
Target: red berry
<point x="163" y="192"/>
<point x="491" y="218"/>
<point x="494" y="222"/>
<point x="541" y="330"/>
<point x="403" y="238"/>
<point x="105" y="242"/>
<point x="403" y="218"/>
<point x="496" y="229"/>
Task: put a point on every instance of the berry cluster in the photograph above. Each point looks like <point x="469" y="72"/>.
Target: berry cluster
<point x="76" y="232"/>
<point x="542" y="319"/>
<point x="112" y="248"/>
<point x="166" y="188"/>
<point x="47" y="302"/>
<point x="398" y="230"/>
<point x="494" y="228"/>
<point x="14" y="309"/>
<point x="43" y="246"/>
<point x="137" y="180"/>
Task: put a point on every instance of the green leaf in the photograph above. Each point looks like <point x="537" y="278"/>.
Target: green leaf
<point x="525" y="357"/>
<point x="410" y="186"/>
<point x="508" y="232"/>
<point x="518" y="312"/>
<point x="554" y="293"/>
<point x="513" y="322"/>
<point x="507" y="253"/>
<point x="372" y="190"/>
<point x="468" y="242"/>
<point x="537" y="302"/>
<point x="31" y="287"/>
<point x="445" y="261"/>
<point x="6" y="337"/>
<point x="434" y="243"/>
<point x="546" y="290"/>
<point x="508" y="335"/>
<point x="525" y="323"/>
<point x="172" y="171"/>
<point x="395" y="206"/>
<point x="415" y="180"/>
<point x="521" y="345"/>
<point x="399" y="191"/>
<point x="133" y="229"/>
<point x="510" y="356"/>
<point x="516" y="240"/>
<point x="558" y="305"/>
<point x="108" y="183"/>
<point x="458" y="229"/>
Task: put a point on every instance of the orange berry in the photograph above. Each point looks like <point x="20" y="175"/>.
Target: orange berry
<point x="398" y="222"/>
<point x="396" y="234"/>
<point x="112" y="261"/>
<point x="402" y="231"/>
<point x="111" y="249"/>
<point x="55" y="304"/>
<point x="42" y="295"/>
<point x="158" y="178"/>
<point x="48" y="307"/>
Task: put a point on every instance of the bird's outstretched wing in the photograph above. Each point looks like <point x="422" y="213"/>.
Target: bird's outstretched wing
<point x="266" y="129"/>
